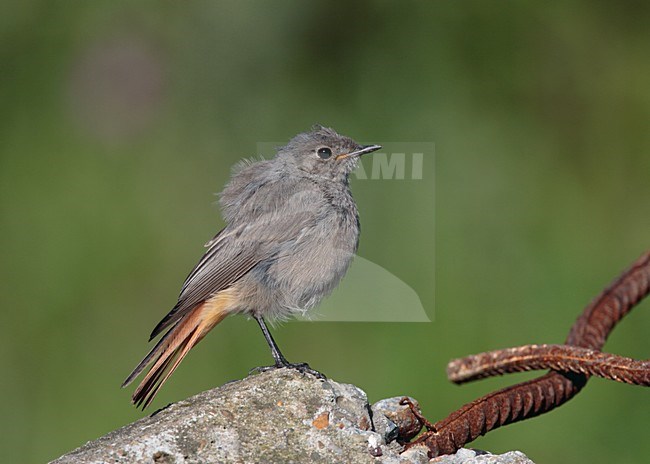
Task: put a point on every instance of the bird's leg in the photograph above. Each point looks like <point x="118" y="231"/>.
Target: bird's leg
<point x="280" y="360"/>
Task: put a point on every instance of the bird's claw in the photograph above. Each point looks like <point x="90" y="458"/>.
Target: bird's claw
<point x="303" y="368"/>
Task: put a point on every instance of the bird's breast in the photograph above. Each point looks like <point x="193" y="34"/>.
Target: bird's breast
<point x="311" y="266"/>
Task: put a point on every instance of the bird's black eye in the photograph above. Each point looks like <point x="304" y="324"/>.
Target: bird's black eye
<point x="324" y="153"/>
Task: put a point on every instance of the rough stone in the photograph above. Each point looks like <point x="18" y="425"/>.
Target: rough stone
<point x="469" y="456"/>
<point x="278" y="416"/>
<point x="407" y="424"/>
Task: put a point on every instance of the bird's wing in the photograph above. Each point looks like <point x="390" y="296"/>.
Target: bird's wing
<point x="232" y="253"/>
<point x="214" y="239"/>
<point x="225" y="262"/>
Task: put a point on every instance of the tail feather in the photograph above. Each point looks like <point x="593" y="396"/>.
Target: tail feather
<point x="144" y="396"/>
<point x="173" y="347"/>
<point x="148" y="384"/>
<point x="156" y="350"/>
<point x="152" y="382"/>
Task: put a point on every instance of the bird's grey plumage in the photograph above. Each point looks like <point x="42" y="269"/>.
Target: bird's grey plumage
<point x="292" y="229"/>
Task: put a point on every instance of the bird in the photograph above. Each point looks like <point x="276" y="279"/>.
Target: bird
<point x="292" y="229"/>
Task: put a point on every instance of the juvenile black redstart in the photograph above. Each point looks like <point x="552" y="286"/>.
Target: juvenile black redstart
<point x="292" y="230"/>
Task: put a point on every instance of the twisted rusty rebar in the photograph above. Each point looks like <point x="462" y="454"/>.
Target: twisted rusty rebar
<point x="562" y="358"/>
<point x="540" y="395"/>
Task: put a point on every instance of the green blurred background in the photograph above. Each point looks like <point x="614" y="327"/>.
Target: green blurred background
<point x="119" y="120"/>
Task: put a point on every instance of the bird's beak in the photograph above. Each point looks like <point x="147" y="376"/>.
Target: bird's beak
<point x="361" y="151"/>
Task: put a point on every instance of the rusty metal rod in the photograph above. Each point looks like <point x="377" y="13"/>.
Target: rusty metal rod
<point x="540" y="395"/>
<point x="561" y="358"/>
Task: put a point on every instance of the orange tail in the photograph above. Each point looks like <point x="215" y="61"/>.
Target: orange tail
<point x="174" y="346"/>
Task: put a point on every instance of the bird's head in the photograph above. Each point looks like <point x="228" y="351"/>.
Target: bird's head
<point x="323" y="153"/>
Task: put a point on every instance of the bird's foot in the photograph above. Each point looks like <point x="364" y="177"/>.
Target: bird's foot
<point x="303" y="368"/>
